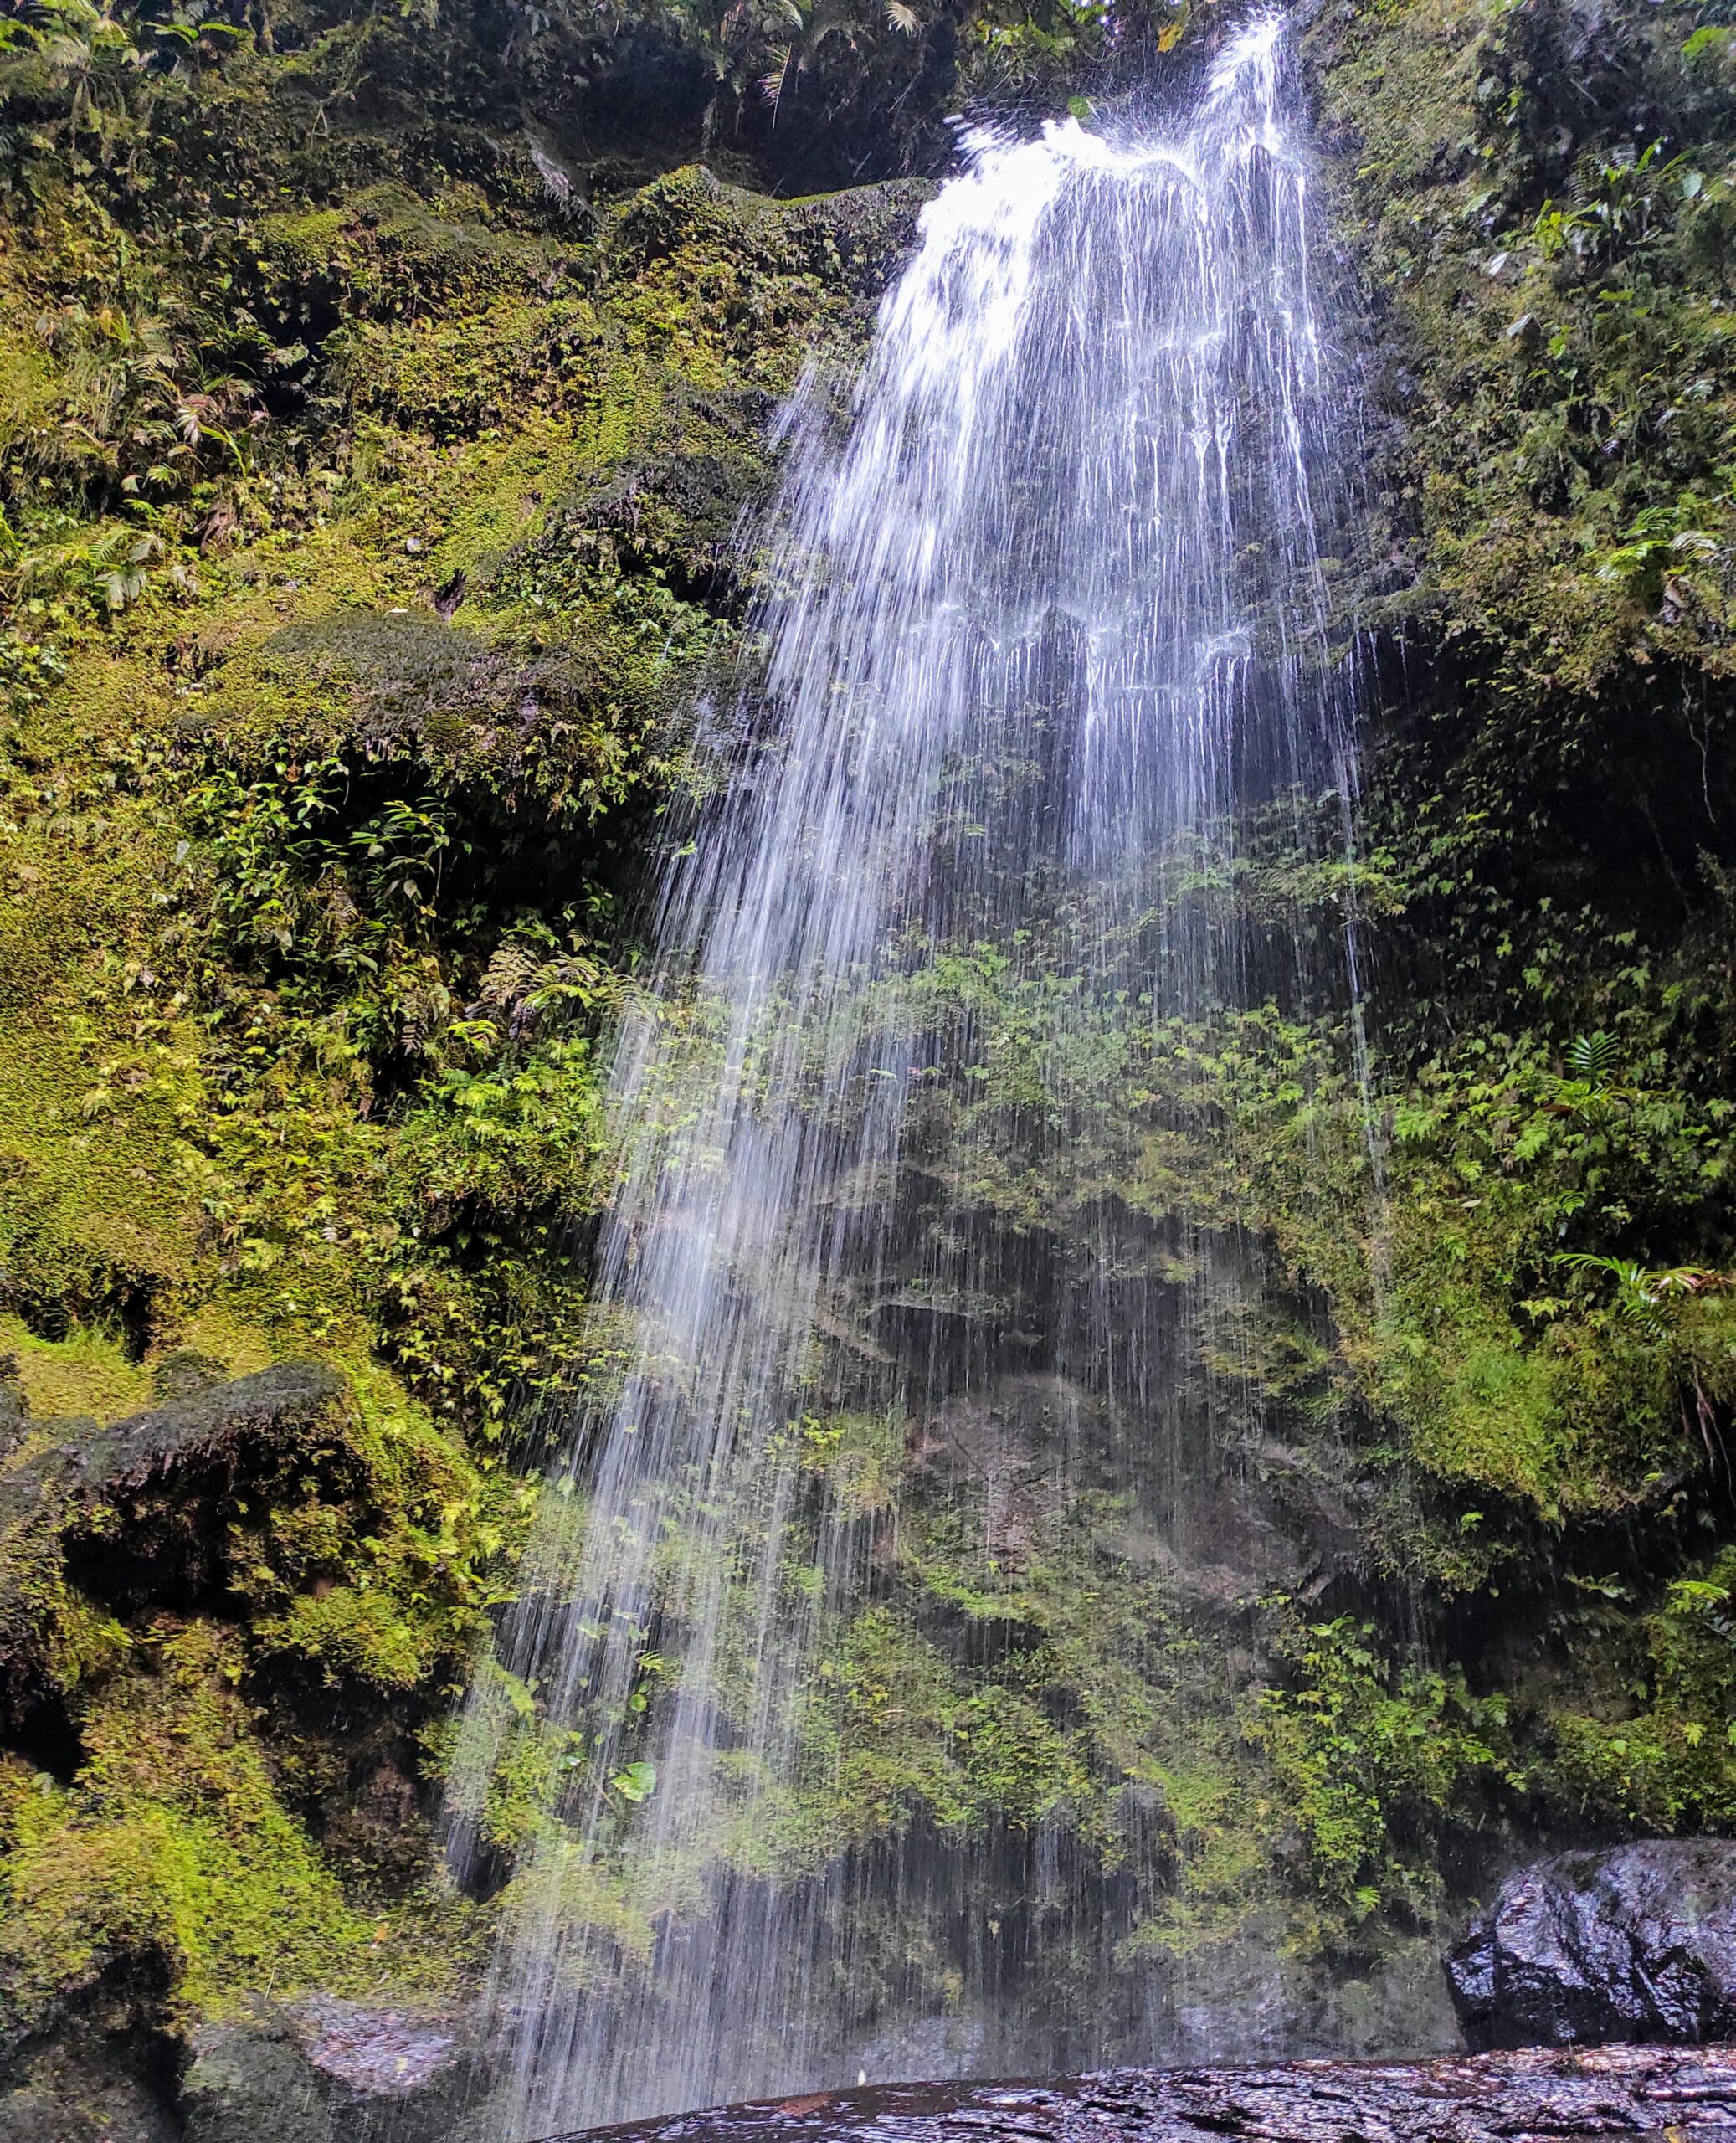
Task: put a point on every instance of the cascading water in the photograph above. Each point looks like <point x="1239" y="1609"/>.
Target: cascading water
<point x="1045" y="613"/>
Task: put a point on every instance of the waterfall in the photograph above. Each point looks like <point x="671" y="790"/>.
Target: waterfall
<point x="1044" y="614"/>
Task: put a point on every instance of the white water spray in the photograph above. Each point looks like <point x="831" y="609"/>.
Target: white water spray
<point x="1048" y="609"/>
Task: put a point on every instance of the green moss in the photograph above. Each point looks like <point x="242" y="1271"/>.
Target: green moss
<point x="88" y="1373"/>
<point x="173" y="1847"/>
<point x="328" y="731"/>
<point x="1363" y="1753"/>
<point x="96" y="1208"/>
<point x="1640" y="1732"/>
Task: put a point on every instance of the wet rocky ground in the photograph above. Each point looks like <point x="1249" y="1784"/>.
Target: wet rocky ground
<point x="1537" y="2096"/>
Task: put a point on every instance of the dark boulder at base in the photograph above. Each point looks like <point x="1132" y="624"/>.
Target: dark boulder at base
<point x="1637" y="1944"/>
<point x="319" y="2070"/>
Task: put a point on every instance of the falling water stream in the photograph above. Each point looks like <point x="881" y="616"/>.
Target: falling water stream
<point x="1045" y="613"/>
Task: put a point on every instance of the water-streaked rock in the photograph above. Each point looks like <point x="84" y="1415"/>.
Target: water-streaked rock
<point x="1639" y="1942"/>
<point x="1621" y="2090"/>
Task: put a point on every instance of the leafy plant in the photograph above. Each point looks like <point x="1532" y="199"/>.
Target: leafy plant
<point x="1649" y="1294"/>
<point x="1621" y="203"/>
<point x="1375" y="1760"/>
<point x="1658" y="537"/>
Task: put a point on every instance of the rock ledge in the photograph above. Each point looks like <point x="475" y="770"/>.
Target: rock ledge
<point x="1541" y="2096"/>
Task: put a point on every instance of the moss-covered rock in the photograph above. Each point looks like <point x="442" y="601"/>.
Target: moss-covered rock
<point x="370" y="462"/>
<point x="382" y="402"/>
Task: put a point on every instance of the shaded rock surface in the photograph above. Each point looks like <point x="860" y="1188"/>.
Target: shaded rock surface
<point x="81" y="1466"/>
<point x="326" y="2071"/>
<point x="255" y="2085"/>
<point x="1474" y="2098"/>
<point x="317" y="2071"/>
<point x="100" y="2079"/>
<point x="131" y="1512"/>
<point x="1639" y="1942"/>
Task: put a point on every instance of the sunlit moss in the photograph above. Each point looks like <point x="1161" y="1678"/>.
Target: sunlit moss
<point x="172" y="1846"/>
<point x="88" y="1373"/>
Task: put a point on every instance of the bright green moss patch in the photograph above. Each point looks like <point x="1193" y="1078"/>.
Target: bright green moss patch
<point x="96" y="1209"/>
<point x="172" y="1849"/>
<point x="88" y="1373"/>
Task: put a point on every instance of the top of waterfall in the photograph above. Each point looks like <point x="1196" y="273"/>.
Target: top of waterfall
<point x="1242" y="97"/>
<point x="1253" y="50"/>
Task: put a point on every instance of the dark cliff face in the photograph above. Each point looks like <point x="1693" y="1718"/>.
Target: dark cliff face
<point x="380" y="410"/>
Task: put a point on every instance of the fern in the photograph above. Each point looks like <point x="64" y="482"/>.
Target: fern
<point x="1592" y="1056"/>
<point x="1649" y="1294"/>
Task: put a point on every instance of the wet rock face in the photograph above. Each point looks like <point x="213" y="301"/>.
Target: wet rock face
<point x="1491" y="2098"/>
<point x="247" y="2086"/>
<point x="1636" y="1943"/>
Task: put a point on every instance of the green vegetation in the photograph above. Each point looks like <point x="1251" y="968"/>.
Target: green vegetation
<point x="371" y="455"/>
<point x="365" y="510"/>
<point x="174" y="1851"/>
